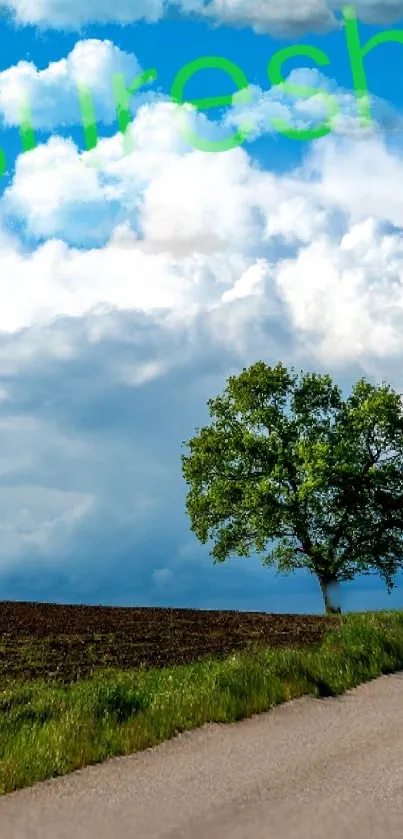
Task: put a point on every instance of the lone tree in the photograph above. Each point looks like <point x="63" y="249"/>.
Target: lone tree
<point x="288" y="461"/>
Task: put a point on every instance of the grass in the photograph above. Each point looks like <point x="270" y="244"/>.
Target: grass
<point x="50" y="729"/>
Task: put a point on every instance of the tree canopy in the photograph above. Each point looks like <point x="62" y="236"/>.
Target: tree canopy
<point x="287" y="460"/>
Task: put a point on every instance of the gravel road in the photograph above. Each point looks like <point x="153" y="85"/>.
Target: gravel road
<point x="308" y="769"/>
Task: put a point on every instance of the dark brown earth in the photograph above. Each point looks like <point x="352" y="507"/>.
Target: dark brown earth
<point x="68" y="642"/>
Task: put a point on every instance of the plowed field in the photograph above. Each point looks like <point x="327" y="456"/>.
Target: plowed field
<point x="68" y="642"/>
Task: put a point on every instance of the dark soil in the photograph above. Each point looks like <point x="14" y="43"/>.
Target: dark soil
<point x="67" y="642"/>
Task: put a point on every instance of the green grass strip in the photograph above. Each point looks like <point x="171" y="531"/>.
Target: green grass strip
<point x="48" y="730"/>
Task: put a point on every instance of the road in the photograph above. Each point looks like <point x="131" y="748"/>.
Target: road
<point x="308" y="769"/>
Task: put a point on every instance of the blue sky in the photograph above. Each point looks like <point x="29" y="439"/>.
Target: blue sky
<point x="133" y="285"/>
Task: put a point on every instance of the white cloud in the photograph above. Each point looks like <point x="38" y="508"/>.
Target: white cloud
<point x="57" y="280"/>
<point x="361" y="177"/>
<point x="216" y="200"/>
<point x="251" y="282"/>
<point x="52" y="93"/>
<point x="276" y="18"/>
<point x="54" y="193"/>
<point x="264" y="16"/>
<point x="198" y="230"/>
<point x="348" y="294"/>
<point x="59" y="13"/>
<point x="310" y="112"/>
<point x="109" y="351"/>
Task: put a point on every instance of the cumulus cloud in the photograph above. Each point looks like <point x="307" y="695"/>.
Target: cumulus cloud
<point x="263" y="16"/>
<point x="311" y="111"/>
<point x="196" y="230"/>
<point x="55" y="279"/>
<point x="52" y="93"/>
<point x="353" y="302"/>
<point x="53" y="98"/>
<point x="109" y="351"/>
<point x="58" y="190"/>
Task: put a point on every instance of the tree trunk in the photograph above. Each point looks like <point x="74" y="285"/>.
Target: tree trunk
<point x="329" y="590"/>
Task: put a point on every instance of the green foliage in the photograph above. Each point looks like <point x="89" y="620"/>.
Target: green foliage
<point x="288" y="460"/>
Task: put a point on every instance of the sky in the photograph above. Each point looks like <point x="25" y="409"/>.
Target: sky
<point x="135" y="279"/>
